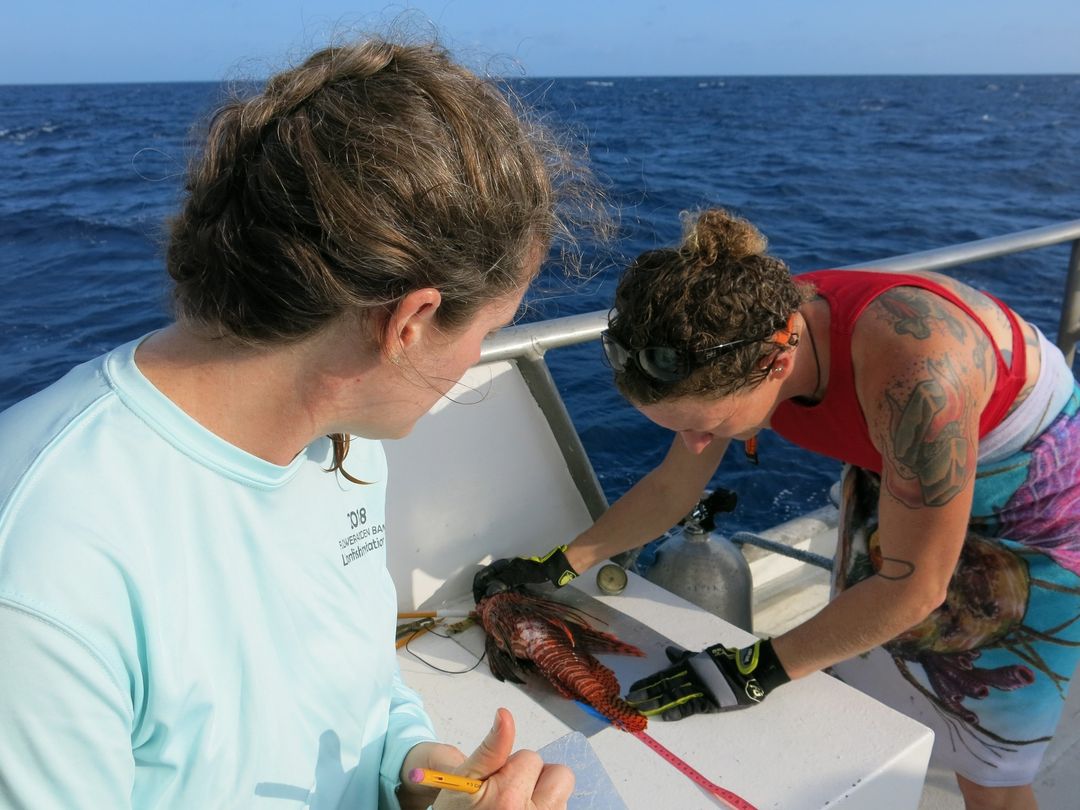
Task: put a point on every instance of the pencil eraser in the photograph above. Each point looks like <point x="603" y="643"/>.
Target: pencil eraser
<point x="416" y="775"/>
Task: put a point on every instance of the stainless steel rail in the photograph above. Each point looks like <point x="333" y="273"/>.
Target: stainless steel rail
<point x="526" y="345"/>
<point x="536" y="338"/>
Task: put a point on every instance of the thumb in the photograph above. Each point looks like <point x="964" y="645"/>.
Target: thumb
<point x="493" y="752"/>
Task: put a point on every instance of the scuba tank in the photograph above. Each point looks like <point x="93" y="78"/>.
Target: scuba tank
<point x="704" y="567"/>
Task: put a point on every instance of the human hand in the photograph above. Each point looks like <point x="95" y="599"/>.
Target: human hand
<point x="716" y="679"/>
<point x="509" y="573"/>
<point x="518" y="781"/>
<point x="431" y="755"/>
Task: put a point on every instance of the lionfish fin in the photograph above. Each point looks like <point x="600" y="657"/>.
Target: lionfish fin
<point x="597" y="641"/>
<point x="503" y="665"/>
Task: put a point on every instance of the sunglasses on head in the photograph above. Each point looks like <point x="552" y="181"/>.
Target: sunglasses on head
<point x="668" y="364"/>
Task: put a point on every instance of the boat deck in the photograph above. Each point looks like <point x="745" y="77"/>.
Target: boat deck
<point x="794" y="595"/>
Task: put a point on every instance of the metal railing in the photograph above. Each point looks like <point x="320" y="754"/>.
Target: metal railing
<point x="527" y="344"/>
<point x="537" y="338"/>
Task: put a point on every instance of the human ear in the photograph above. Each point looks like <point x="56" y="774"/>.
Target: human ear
<point x="410" y="321"/>
<point x="779" y="365"/>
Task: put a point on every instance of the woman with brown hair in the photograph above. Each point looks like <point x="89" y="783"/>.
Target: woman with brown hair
<point x="195" y="609"/>
<point x="959" y="553"/>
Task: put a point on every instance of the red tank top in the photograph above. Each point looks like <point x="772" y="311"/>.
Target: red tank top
<point x="836" y="426"/>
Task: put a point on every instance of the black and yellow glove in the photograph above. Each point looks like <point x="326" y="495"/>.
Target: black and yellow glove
<point x="717" y="679"/>
<point x="504" y="574"/>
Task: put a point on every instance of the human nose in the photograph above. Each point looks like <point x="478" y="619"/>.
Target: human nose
<point x="695" y="440"/>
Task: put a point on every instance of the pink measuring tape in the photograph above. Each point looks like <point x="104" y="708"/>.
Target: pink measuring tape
<point x="732" y="800"/>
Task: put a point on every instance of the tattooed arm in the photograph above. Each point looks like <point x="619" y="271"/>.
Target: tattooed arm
<point x="922" y="406"/>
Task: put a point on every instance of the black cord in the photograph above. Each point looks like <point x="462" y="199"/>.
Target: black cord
<point x="440" y="669"/>
<point x="817" y="362"/>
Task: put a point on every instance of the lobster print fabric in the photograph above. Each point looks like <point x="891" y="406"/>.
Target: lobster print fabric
<point x="989" y="670"/>
<point x="527" y="633"/>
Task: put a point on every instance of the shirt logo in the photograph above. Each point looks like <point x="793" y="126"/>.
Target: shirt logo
<point x="363" y="537"/>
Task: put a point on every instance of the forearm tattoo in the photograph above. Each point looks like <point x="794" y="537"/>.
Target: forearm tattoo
<point x="897" y="569"/>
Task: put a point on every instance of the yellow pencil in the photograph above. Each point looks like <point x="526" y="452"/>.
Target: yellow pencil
<point x="444" y="781"/>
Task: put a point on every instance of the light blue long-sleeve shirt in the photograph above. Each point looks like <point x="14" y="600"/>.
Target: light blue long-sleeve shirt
<point x="183" y="624"/>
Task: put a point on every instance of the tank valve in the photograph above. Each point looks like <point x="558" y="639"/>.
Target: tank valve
<point x="702" y="517"/>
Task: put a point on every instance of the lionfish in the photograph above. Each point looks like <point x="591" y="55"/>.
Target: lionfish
<point x="528" y="633"/>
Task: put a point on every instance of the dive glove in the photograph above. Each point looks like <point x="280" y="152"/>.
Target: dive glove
<point x="504" y="574"/>
<point x="717" y="679"/>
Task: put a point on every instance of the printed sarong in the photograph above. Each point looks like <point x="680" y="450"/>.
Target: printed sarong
<point x="989" y="670"/>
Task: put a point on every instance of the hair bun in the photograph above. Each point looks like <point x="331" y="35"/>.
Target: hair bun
<point x="717" y="235"/>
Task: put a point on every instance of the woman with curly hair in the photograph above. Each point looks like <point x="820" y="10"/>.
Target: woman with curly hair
<point x="959" y="553"/>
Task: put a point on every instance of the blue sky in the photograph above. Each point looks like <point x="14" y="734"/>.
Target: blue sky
<point x="168" y="40"/>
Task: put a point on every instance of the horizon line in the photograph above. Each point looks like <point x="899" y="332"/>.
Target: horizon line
<point x="583" y="77"/>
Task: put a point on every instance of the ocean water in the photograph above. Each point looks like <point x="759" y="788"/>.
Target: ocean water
<point x="834" y="170"/>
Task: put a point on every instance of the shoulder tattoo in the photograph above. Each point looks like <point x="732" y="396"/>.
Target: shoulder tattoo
<point x="913" y="311"/>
